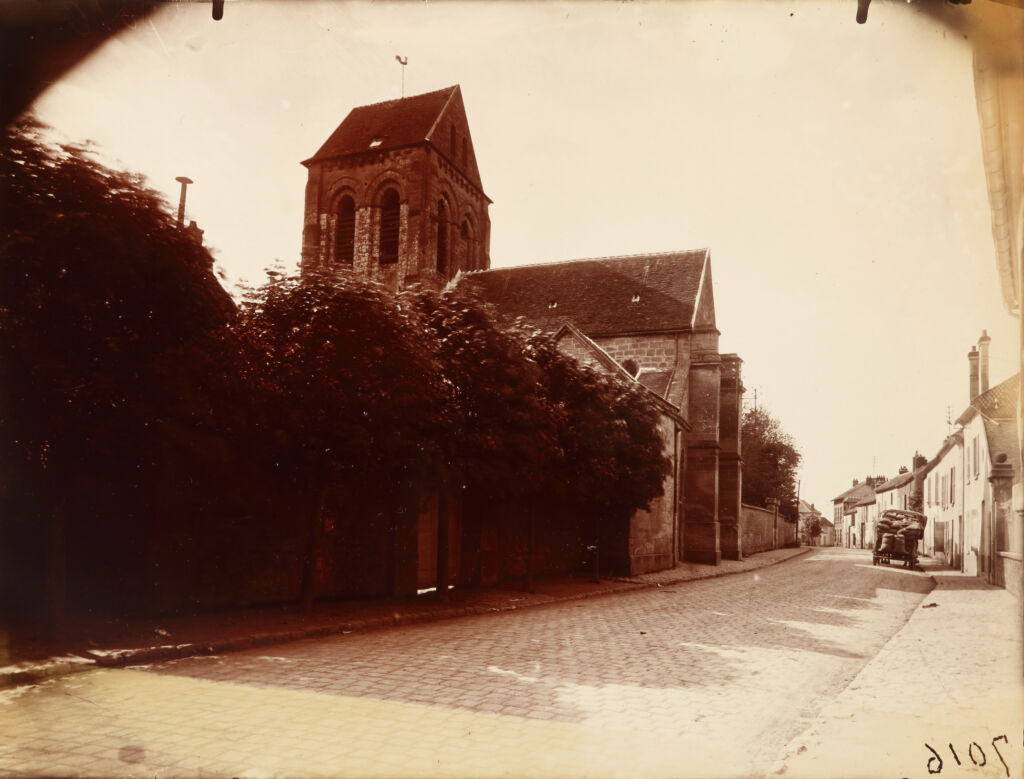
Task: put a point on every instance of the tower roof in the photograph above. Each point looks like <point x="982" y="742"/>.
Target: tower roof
<point x="603" y="296"/>
<point x="393" y="124"/>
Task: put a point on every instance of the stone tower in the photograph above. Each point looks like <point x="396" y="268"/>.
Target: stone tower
<point x="394" y="194"/>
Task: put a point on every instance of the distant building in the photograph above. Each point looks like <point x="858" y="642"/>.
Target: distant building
<point x="808" y="513"/>
<point x="851" y="512"/>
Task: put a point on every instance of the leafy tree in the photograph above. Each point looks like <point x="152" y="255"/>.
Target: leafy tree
<point x="770" y="462"/>
<point x="97" y="288"/>
<point x="346" y="392"/>
<point x="614" y="461"/>
<point x="501" y="442"/>
<point x="811" y="527"/>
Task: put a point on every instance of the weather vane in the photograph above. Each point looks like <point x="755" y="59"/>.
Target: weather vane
<point x="403" y="61"/>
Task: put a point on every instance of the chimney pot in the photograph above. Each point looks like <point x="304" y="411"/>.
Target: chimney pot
<point x="983" y="343"/>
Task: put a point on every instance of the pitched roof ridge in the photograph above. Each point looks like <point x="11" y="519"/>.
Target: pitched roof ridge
<point x="441" y="113"/>
<point x="400" y="99"/>
<point x="704" y="249"/>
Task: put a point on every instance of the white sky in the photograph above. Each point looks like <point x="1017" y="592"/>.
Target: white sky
<point x="834" y="170"/>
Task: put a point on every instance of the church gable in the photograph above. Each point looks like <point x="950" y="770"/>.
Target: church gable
<point x="704" y="311"/>
<point x="450" y="136"/>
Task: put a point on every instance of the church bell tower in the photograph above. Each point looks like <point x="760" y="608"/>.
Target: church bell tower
<point x="394" y="194"/>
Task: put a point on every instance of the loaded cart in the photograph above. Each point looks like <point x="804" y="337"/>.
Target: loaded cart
<point x="896" y="537"/>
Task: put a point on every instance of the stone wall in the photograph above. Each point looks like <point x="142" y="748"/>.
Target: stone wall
<point x="757" y="531"/>
<point x="651" y="352"/>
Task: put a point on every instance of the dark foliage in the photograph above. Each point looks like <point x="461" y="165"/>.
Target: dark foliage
<point x="770" y="462"/>
<point x="107" y="312"/>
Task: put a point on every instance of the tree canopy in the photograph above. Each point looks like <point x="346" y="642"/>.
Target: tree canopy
<point x="142" y="410"/>
<point x="770" y="462"/>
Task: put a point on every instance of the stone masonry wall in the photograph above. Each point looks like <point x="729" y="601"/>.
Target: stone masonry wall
<point x="756" y="531"/>
<point x="422" y="179"/>
<point x="652" y="352"/>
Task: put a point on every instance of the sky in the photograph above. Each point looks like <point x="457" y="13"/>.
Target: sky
<point x="833" y="169"/>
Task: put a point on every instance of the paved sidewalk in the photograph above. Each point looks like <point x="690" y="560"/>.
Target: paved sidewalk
<point x="144" y="641"/>
<point x="945" y="695"/>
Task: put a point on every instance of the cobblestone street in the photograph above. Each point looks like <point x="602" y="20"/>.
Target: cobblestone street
<point x="709" y="677"/>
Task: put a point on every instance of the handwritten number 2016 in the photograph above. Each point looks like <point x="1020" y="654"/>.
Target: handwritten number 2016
<point x="974" y="752"/>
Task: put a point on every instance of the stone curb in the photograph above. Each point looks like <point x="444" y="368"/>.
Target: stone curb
<point x="54" y="668"/>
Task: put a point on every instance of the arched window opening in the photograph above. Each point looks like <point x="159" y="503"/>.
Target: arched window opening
<point x="345" y="234"/>
<point x="442" y="238"/>
<point x="467" y="243"/>
<point x="389" y="213"/>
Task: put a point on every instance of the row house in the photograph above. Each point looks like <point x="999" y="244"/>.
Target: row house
<point x="853" y="510"/>
<point x="971" y="489"/>
<point x="990" y="476"/>
<point x="943" y="503"/>
<point x="896" y="493"/>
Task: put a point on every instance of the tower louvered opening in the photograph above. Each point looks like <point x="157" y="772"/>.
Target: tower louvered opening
<point x="389" y="214"/>
<point x="345" y="232"/>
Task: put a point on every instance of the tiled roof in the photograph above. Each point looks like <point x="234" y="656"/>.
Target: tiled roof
<point x="1002" y="439"/>
<point x="955" y="439"/>
<point x="857" y="491"/>
<point x="998" y="402"/>
<point x="395" y="123"/>
<point x="603" y="296"/>
<point x="896" y="482"/>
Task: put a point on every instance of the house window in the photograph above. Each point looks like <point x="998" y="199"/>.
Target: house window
<point x="442" y="238"/>
<point x="974" y="456"/>
<point x="389" y="212"/>
<point x="345" y="231"/>
<point x="952" y="485"/>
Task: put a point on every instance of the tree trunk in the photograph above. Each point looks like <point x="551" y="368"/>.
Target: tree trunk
<point x="313" y="533"/>
<point x="442" y="545"/>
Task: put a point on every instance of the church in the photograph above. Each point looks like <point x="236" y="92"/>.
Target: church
<point x="395" y="195"/>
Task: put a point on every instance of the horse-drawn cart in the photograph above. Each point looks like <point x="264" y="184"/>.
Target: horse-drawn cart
<point x="896" y="537"/>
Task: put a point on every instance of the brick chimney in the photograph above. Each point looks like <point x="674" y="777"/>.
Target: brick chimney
<point x="983" y="343"/>
<point x="972" y="357"/>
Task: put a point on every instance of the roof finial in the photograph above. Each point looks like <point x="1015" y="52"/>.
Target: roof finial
<point x="403" y="61"/>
